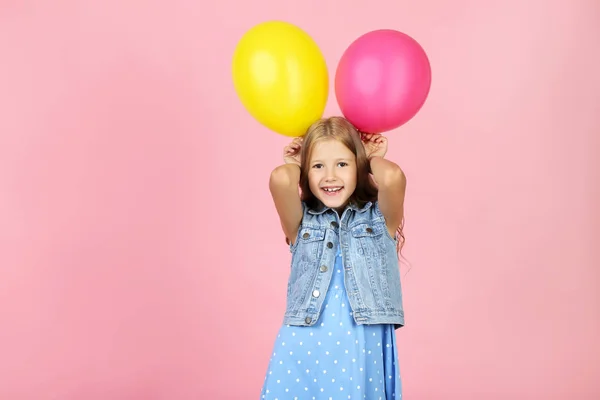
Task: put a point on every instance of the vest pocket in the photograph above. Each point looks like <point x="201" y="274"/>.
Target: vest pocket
<point x="368" y="241"/>
<point x="368" y="230"/>
<point x="308" y="235"/>
<point x="310" y="242"/>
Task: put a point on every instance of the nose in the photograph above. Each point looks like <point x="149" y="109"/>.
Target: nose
<point x="330" y="175"/>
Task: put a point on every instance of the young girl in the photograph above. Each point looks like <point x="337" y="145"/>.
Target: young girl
<point x="344" y="298"/>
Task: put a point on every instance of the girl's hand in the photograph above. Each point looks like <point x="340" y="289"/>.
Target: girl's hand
<point x="375" y="144"/>
<point x="291" y="152"/>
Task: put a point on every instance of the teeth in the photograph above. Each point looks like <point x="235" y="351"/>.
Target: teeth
<point x="332" y="189"/>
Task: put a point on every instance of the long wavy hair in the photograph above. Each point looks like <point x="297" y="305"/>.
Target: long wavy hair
<point x="338" y="128"/>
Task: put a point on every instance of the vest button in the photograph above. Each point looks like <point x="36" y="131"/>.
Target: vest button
<point x="323" y="268"/>
<point x="316" y="293"/>
<point x="334" y="224"/>
<point x="306" y="235"/>
<point x="369" y="230"/>
<point x="308" y="320"/>
<point x="329" y="245"/>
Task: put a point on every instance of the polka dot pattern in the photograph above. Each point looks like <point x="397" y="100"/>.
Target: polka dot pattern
<point x="336" y="358"/>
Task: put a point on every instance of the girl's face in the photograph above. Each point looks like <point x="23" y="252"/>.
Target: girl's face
<point x="332" y="173"/>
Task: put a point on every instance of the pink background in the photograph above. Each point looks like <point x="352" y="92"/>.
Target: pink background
<point x="140" y="255"/>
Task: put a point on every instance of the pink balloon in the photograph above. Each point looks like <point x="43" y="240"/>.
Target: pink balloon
<point x="382" y="80"/>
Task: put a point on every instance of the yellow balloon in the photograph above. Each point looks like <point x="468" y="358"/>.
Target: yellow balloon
<point x="281" y="77"/>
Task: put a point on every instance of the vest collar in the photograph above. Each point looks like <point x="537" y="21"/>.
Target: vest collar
<point x="322" y="209"/>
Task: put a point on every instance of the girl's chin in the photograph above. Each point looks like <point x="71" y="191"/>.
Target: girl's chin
<point x="334" y="202"/>
<point x="332" y="195"/>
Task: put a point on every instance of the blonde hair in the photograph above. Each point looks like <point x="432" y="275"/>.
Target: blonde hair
<point x="338" y="128"/>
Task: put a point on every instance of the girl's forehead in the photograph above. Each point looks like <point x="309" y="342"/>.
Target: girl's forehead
<point x="330" y="149"/>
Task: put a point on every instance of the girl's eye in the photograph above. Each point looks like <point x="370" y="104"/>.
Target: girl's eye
<point x="317" y="165"/>
<point x="343" y="164"/>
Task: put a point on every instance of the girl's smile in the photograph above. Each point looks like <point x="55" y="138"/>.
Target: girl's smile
<point x="332" y="190"/>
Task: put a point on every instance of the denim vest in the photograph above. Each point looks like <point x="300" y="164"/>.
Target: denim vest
<point x="370" y="259"/>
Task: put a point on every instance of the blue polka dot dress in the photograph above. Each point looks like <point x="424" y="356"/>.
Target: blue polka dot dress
<point x="336" y="358"/>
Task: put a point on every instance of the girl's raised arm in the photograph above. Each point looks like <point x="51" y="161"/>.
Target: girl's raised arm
<point x="283" y="185"/>
<point x="390" y="179"/>
<point x="392" y="188"/>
